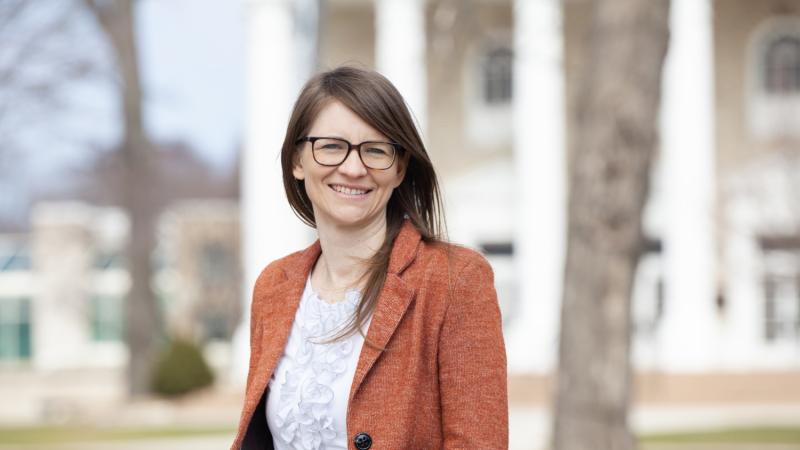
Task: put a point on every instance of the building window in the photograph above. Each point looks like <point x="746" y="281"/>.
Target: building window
<point x="216" y="263"/>
<point x="497" y="248"/>
<point x="648" y="291"/>
<point x="107" y="318"/>
<point x="14" y="257"/>
<point x="108" y="260"/>
<point x="15" y="329"/>
<point x="217" y="325"/>
<point x="497" y="76"/>
<point x="773" y="109"/>
<point x="782" y="65"/>
<point x="216" y="309"/>
<point x="781" y="309"/>
<point x="488" y="93"/>
<point x="500" y="257"/>
<point x="781" y="289"/>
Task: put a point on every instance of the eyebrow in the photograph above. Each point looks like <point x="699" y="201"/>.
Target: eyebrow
<point x="337" y="136"/>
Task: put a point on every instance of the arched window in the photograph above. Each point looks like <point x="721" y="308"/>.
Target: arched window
<point x="488" y="89"/>
<point x="782" y="65"/>
<point x="773" y="107"/>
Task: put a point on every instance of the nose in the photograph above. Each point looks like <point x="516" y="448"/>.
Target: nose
<point x="352" y="165"/>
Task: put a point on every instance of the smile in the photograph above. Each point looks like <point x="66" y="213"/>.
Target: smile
<point x="348" y="190"/>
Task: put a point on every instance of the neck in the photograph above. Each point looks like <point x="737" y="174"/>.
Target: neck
<point x="345" y="251"/>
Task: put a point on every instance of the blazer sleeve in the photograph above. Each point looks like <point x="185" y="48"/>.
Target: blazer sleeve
<point x="267" y="277"/>
<point x="255" y="324"/>
<point x="472" y="363"/>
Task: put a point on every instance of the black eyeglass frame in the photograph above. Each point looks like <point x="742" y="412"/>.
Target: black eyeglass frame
<point x="350" y="147"/>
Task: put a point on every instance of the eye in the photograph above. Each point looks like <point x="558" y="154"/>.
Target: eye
<point x="378" y="150"/>
<point x="331" y="145"/>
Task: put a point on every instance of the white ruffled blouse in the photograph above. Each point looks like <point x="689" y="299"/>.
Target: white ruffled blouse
<point x="307" y="400"/>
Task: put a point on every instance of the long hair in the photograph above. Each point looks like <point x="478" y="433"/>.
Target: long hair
<point x="378" y="103"/>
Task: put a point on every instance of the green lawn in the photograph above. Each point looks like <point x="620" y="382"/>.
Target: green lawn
<point x="64" y="435"/>
<point x="763" y="435"/>
<point x="53" y="435"/>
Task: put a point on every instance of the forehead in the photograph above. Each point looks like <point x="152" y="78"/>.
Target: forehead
<point x="337" y="120"/>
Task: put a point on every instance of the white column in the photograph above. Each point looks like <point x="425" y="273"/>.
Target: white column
<point x="400" y="51"/>
<point x="269" y="228"/>
<point x="689" y="331"/>
<point x="743" y="261"/>
<point x="60" y="313"/>
<point x="539" y="158"/>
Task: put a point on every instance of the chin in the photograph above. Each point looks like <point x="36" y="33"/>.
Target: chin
<point x="349" y="222"/>
<point x="353" y="220"/>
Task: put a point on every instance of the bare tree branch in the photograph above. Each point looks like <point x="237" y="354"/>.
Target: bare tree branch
<point x="37" y="66"/>
<point x="144" y="328"/>
<point x="39" y="63"/>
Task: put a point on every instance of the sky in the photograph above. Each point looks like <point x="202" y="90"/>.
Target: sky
<point x="192" y="65"/>
<point x="192" y="57"/>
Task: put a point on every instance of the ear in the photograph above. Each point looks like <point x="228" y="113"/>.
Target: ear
<point x="402" y="165"/>
<point x="297" y="166"/>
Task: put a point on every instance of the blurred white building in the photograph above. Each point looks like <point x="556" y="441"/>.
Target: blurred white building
<point x="62" y="293"/>
<point x="492" y="84"/>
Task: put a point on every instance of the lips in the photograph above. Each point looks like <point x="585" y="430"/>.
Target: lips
<point x="350" y="190"/>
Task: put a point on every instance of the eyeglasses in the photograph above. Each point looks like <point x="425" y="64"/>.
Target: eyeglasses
<point x="334" y="151"/>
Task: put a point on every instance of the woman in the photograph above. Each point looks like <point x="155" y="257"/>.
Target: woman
<point x="379" y="335"/>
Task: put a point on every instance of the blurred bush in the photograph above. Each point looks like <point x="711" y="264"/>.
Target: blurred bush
<point x="181" y="369"/>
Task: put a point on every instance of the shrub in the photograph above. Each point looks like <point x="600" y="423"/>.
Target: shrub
<point x="181" y="369"/>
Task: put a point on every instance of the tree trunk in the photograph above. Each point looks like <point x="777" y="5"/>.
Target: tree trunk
<point x="142" y="318"/>
<point x="613" y="145"/>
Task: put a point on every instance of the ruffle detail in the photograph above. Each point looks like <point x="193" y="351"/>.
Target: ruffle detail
<point x="304" y="412"/>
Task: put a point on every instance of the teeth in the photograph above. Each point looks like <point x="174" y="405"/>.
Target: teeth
<point x="348" y="191"/>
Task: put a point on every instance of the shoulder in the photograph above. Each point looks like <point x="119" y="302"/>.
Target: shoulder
<point x="459" y="263"/>
<point x="450" y="269"/>
<point x="457" y="281"/>
<point x="277" y="270"/>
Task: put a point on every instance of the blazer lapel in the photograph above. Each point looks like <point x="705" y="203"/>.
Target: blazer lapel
<point x="392" y="303"/>
<point x="282" y="300"/>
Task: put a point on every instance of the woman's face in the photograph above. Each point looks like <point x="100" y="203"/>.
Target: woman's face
<point x="349" y="195"/>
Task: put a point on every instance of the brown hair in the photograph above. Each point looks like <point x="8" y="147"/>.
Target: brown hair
<point x="377" y="102"/>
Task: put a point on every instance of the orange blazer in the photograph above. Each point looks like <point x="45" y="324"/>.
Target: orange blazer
<point x="440" y="383"/>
